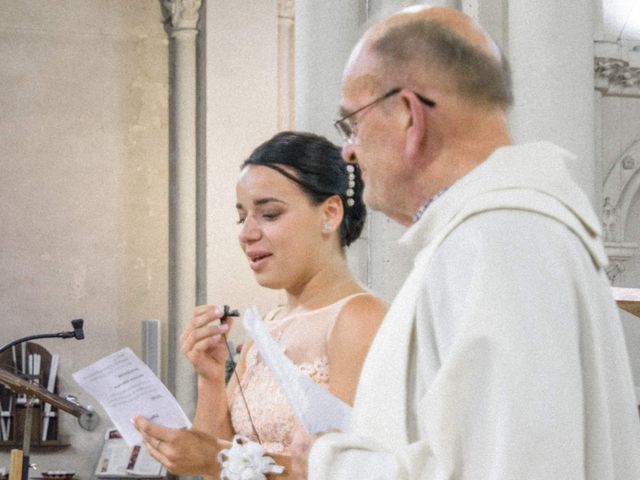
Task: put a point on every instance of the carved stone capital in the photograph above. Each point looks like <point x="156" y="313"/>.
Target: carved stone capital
<point x="286" y="8"/>
<point x="183" y="14"/>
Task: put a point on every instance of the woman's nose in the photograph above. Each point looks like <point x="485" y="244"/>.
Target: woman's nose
<point x="249" y="231"/>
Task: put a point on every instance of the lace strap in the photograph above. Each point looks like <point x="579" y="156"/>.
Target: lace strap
<point x="340" y="304"/>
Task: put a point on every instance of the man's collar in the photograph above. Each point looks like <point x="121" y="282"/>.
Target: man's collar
<point x="425" y="205"/>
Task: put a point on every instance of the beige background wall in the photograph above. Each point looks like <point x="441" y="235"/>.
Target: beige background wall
<point x="83" y="171"/>
<point x="242" y="112"/>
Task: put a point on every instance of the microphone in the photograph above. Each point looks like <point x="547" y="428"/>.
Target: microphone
<point x="77" y="332"/>
<point x="77" y="328"/>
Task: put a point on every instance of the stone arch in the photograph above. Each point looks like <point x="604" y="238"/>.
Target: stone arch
<point x="620" y="187"/>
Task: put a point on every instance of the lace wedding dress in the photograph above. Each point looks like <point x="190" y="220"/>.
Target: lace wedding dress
<point x="303" y="338"/>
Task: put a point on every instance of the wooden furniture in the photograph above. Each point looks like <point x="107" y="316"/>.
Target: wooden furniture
<point x="628" y="299"/>
<point x="33" y="393"/>
<point x="25" y="371"/>
<point x="15" y="469"/>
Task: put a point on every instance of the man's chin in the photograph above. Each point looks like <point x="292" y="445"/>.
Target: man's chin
<point x="377" y="204"/>
<point x="370" y="201"/>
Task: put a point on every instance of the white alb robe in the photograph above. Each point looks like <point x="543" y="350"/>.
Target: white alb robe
<point x="502" y="356"/>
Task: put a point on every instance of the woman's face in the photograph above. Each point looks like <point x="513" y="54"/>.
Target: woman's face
<point x="281" y="231"/>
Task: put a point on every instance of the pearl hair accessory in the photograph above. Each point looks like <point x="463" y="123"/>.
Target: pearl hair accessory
<point x="351" y="185"/>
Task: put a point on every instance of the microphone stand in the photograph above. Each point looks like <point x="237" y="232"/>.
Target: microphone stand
<point x="77" y="333"/>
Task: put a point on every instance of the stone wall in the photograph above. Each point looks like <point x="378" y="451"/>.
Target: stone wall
<point x="84" y="155"/>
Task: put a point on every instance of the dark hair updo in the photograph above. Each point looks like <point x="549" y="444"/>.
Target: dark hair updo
<point x="316" y="166"/>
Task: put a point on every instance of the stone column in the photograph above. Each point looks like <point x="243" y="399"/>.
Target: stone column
<point x="325" y="33"/>
<point x="182" y="221"/>
<point x="286" y="65"/>
<point x="550" y="46"/>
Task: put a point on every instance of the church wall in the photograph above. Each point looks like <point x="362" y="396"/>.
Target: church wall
<point x="620" y="138"/>
<point x="83" y="96"/>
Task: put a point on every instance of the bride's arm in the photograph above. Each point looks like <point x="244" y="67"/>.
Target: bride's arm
<point x="212" y="411"/>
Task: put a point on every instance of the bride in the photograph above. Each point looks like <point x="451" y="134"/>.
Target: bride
<point x="299" y="205"/>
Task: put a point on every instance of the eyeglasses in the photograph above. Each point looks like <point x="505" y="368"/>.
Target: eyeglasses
<point x="347" y="127"/>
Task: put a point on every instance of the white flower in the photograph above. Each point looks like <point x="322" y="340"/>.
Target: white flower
<point x="246" y="460"/>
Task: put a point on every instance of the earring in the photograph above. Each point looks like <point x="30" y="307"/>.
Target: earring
<point x="326" y="227"/>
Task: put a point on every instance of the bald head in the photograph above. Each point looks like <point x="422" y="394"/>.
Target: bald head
<point x="458" y="23"/>
<point x="423" y="43"/>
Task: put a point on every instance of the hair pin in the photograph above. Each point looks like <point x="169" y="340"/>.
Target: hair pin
<point x="350" y="185"/>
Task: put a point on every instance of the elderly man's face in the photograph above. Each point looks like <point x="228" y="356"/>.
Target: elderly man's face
<point x="375" y="144"/>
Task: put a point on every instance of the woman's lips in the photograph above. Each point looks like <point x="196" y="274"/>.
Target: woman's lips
<point x="258" y="261"/>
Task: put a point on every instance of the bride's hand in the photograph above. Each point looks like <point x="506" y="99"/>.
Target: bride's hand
<point x="182" y="451"/>
<point x="203" y="343"/>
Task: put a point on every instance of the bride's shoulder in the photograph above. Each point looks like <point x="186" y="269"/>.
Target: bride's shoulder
<point x="359" y="318"/>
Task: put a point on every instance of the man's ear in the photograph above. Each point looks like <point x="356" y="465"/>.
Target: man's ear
<point x="332" y="213"/>
<point x="415" y="124"/>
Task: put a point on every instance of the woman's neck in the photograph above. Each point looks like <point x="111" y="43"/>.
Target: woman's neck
<point x="323" y="288"/>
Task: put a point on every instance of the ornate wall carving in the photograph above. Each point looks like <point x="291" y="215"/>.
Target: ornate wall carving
<point x="617" y="69"/>
<point x="617" y="74"/>
<point x="618" y="253"/>
<point x="617" y="77"/>
<point x="621" y="184"/>
<point x="619" y="187"/>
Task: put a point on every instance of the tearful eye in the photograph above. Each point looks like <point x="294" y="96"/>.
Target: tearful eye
<point x="271" y="215"/>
